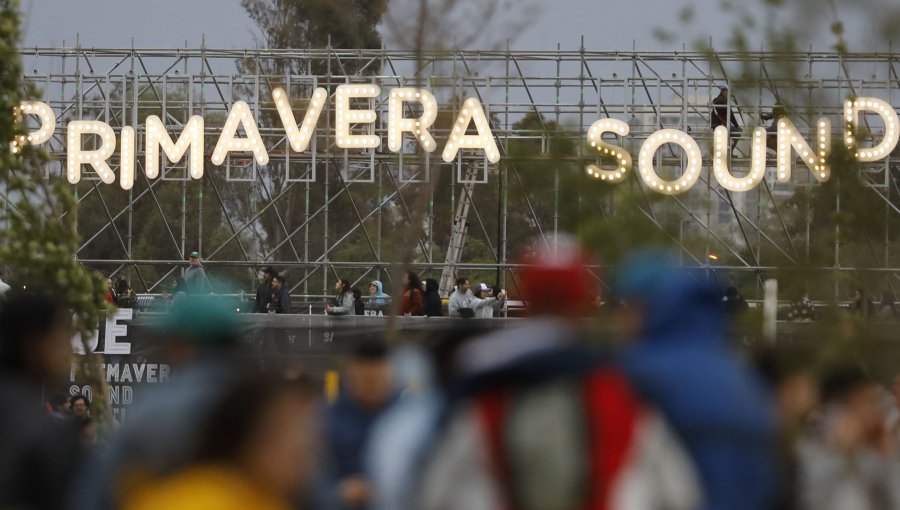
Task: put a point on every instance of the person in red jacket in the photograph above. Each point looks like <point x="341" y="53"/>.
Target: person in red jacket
<point x="411" y="301"/>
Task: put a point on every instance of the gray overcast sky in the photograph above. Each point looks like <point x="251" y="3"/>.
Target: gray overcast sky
<point x="606" y="24"/>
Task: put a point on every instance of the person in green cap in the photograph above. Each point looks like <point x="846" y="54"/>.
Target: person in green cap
<point x="195" y="276"/>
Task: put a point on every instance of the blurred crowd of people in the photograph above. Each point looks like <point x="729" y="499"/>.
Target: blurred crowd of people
<point x="539" y="414"/>
<point x="417" y="298"/>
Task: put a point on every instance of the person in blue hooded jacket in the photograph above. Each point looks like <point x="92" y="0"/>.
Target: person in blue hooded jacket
<point x="679" y="359"/>
<point x="377" y="294"/>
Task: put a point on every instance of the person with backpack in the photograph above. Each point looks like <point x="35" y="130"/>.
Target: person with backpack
<point x="530" y="417"/>
<point x="411" y="301"/>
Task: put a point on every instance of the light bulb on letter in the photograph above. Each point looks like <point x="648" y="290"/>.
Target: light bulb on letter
<point x="622" y="156"/>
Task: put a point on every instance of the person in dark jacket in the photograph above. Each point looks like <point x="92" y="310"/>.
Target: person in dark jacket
<point x="367" y="394"/>
<point x="722" y="115"/>
<point x="433" y="305"/>
<point x="37" y="451"/>
<point x="720" y="112"/>
<point x="679" y="360"/>
<point x="281" y="296"/>
<point x="264" y="292"/>
<point x="860" y="305"/>
<point x="359" y="308"/>
<point x="735" y="304"/>
<point x="124" y="295"/>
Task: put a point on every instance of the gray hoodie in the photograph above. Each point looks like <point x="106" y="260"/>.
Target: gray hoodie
<point x="459" y="300"/>
<point x="484" y="307"/>
<point x="196" y="280"/>
<point x="344" y="305"/>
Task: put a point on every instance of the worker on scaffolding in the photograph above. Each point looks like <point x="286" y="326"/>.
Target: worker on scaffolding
<point x="724" y="115"/>
<point x="772" y="129"/>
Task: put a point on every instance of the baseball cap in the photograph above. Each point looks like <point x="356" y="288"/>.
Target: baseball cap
<point x="483" y="287"/>
<point x="195" y="254"/>
<point x="201" y="320"/>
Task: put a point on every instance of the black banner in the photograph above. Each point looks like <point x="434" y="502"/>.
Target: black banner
<point x="313" y="344"/>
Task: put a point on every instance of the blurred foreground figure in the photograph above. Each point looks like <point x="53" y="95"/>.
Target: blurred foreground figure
<point x="348" y="423"/>
<point x="893" y="416"/>
<point x="852" y="461"/>
<point x="37" y="450"/>
<point x="253" y="453"/>
<point x="533" y="419"/>
<point x="197" y="339"/>
<point x="680" y="361"/>
<point x="790" y="370"/>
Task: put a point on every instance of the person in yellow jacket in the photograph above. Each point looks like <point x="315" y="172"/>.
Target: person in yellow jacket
<point x="209" y="487"/>
<point x="255" y="454"/>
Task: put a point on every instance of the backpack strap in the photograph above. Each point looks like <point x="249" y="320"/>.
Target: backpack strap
<point x="613" y="413"/>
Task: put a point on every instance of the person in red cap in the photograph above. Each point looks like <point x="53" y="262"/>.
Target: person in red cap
<point x="533" y="417"/>
<point x="556" y="281"/>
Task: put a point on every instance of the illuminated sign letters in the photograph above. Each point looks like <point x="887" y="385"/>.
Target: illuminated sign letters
<point x="92" y="142"/>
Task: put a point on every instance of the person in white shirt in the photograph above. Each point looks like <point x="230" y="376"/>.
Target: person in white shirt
<point x="484" y="302"/>
<point x="461" y="299"/>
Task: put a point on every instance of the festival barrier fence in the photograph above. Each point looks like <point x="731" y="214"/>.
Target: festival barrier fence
<point x="315" y="345"/>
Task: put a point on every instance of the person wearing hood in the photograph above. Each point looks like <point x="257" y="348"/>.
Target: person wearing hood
<point x="377" y="294"/>
<point x="679" y="359"/>
<point x="433" y="305"/>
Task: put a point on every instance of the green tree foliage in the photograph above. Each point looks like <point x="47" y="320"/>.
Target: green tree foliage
<point x="39" y="237"/>
<point x="301" y="24"/>
<point x="843" y="223"/>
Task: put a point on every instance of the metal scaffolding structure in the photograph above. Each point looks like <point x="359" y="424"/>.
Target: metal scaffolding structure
<point x="330" y="211"/>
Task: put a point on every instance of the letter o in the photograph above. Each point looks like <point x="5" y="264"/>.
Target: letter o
<point x="691" y="173"/>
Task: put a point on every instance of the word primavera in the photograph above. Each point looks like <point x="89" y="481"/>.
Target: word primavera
<point x="299" y="136"/>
